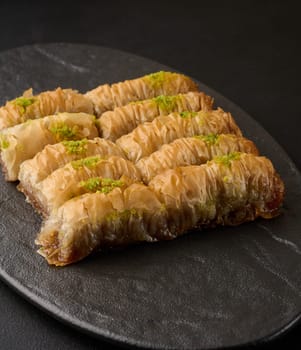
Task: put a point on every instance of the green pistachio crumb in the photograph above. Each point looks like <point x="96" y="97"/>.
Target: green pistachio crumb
<point x="107" y="185"/>
<point x="102" y="185"/>
<point x="156" y="80"/>
<point x="63" y="131"/>
<point x="227" y="158"/>
<point x="92" y="184"/>
<point x="188" y="114"/>
<point x="23" y="102"/>
<point x="3" y="143"/>
<point x="122" y="215"/>
<point x="75" y="147"/>
<point x="167" y="103"/>
<point x="88" y="162"/>
<point x="211" y="139"/>
<point x="226" y="179"/>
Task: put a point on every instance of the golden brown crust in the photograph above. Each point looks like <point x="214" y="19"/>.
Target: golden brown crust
<point x="229" y="190"/>
<point x="19" y="145"/>
<point x="149" y="137"/>
<point x="29" y="106"/>
<point x="122" y="120"/>
<point x="107" y="97"/>
<point x="41" y="186"/>
<point x="194" y="174"/>
<point x="31" y="198"/>
<point x="52" y="157"/>
<point x="192" y="151"/>
<point x="79" y="177"/>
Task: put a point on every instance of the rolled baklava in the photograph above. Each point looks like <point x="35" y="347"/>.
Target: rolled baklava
<point x="229" y="190"/>
<point x="78" y="177"/>
<point x="122" y="120"/>
<point x="21" y="142"/>
<point x="52" y="157"/>
<point x="192" y="151"/>
<point x="149" y="137"/>
<point x="31" y="106"/>
<point x="63" y="183"/>
<point x="107" y="97"/>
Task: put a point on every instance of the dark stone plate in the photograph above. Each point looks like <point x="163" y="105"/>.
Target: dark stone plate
<point x="210" y="289"/>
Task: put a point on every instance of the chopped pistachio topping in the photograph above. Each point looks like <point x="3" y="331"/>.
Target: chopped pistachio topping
<point x="188" y="114"/>
<point x="92" y="184"/>
<point x="107" y="185"/>
<point x="103" y="185"/>
<point x="226" y="179"/>
<point x="75" y="147"/>
<point x="211" y="139"/>
<point x="63" y="131"/>
<point x="3" y="142"/>
<point x="167" y="103"/>
<point x="156" y="80"/>
<point x="122" y="215"/>
<point x="23" y="102"/>
<point x="88" y="162"/>
<point x="227" y="158"/>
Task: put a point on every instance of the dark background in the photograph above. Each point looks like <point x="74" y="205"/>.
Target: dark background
<point x="248" y="51"/>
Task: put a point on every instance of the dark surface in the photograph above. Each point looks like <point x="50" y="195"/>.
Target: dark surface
<point x="232" y="286"/>
<point x="249" y="52"/>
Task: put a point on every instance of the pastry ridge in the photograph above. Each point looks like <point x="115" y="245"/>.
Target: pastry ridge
<point x="149" y="137"/>
<point x="156" y="161"/>
<point x="122" y="120"/>
<point x="43" y="185"/>
<point x="228" y="190"/>
<point x="29" y="106"/>
<point x="107" y="97"/>
<point x="67" y="182"/>
<point x="192" y="151"/>
<point x="52" y="157"/>
<point x="20" y="146"/>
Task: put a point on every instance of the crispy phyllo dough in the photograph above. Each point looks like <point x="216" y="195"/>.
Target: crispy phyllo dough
<point x="23" y="141"/>
<point x="229" y="190"/>
<point x="31" y="106"/>
<point x="232" y="189"/>
<point x="81" y="176"/>
<point x="192" y="151"/>
<point x="122" y="120"/>
<point x="52" y="157"/>
<point x="107" y="97"/>
<point x="149" y="137"/>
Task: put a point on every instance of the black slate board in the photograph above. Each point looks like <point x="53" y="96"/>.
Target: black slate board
<point x="212" y="289"/>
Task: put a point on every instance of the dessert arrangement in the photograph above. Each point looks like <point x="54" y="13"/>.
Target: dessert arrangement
<point x="142" y="160"/>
